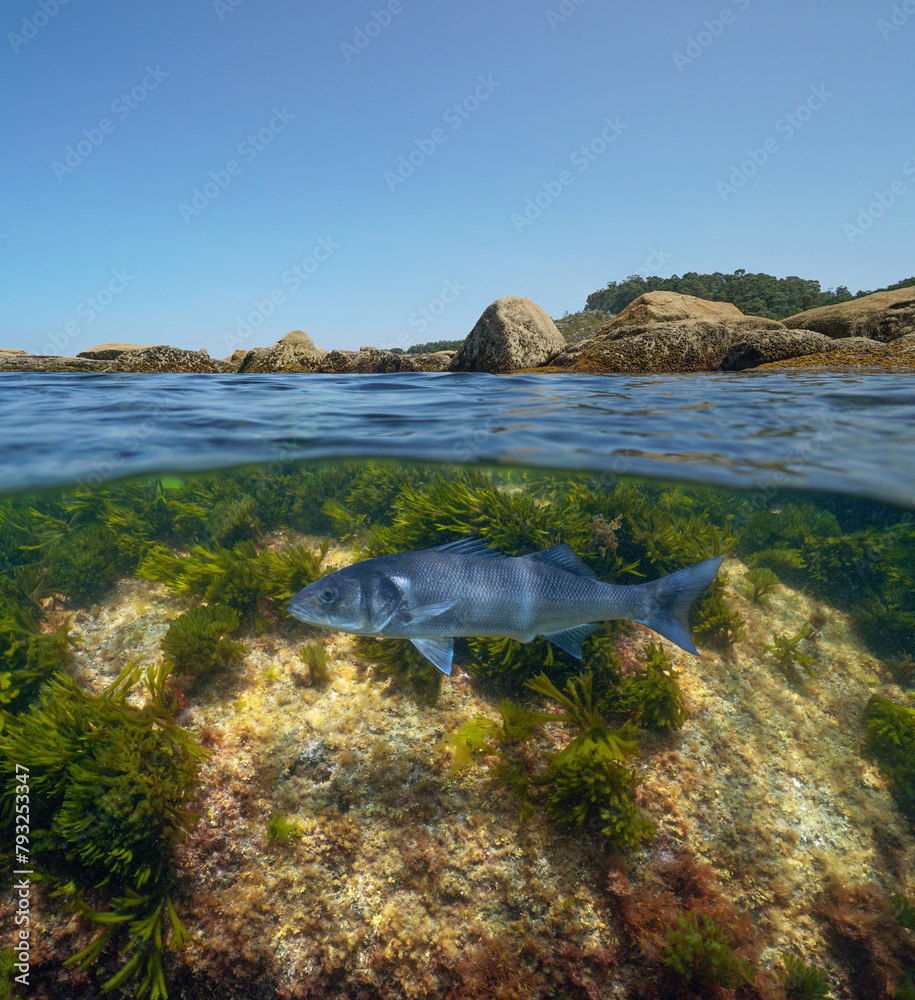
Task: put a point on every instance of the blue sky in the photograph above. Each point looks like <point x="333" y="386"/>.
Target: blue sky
<point x="214" y="174"/>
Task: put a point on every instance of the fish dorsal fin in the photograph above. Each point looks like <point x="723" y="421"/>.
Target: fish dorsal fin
<point x="439" y="651"/>
<point x="561" y="557"/>
<point x="570" y="639"/>
<point x="472" y="546"/>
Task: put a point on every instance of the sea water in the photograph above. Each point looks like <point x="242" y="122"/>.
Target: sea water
<point x="256" y="807"/>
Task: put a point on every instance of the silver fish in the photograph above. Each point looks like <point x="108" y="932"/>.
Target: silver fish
<point x="466" y="588"/>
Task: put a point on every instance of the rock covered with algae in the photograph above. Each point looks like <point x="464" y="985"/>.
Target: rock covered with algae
<point x="337" y="856"/>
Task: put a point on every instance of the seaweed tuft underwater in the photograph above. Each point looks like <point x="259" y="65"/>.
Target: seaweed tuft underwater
<point x="210" y="797"/>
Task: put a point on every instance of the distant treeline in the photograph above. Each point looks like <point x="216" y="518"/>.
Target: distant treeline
<point x="753" y="294"/>
<point x="431" y="348"/>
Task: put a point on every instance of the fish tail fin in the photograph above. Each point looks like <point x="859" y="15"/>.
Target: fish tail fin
<point x="671" y="598"/>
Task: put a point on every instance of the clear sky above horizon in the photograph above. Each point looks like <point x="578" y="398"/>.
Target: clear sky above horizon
<point x="214" y="173"/>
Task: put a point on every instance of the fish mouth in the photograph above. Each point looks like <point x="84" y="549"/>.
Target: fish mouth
<point x="297" y="611"/>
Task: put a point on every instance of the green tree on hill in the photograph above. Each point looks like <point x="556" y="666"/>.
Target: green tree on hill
<point x="753" y="294"/>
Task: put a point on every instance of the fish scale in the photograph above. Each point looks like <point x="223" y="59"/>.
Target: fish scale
<point x="466" y="588"/>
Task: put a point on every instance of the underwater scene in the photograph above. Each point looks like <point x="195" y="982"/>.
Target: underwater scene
<point x="221" y="781"/>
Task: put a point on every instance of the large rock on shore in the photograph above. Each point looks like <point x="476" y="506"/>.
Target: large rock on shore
<point x="767" y="346"/>
<point x="22" y="362"/>
<point x="283" y="356"/>
<point x="166" y="359"/>
<point x="108" y="352"/>
<point x="513" y="332"/>
<point x="684" y="345"/>
<point x="763" y="346"/>
<point x="664" y="307"/>
<point x="882" y="316"/>
<point x="367" y="362"/>
<point x="437" y="361"/>
<point x="301" y="339"/>
<point x="898" y="354"/>
<point x="293" y="352"/>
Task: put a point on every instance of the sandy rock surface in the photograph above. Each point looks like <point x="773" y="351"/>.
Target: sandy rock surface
<point x="513" y="332"/>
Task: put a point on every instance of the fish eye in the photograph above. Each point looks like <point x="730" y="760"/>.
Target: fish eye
<point x="328" y="595"/>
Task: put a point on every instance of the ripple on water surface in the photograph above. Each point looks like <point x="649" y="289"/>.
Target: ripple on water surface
<point x="835" y="431"/>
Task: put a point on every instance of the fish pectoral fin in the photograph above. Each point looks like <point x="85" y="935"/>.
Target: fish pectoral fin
<point x="439" y="651"/>
<point x="561" y="557"/>
<point x="425" y="612"/>
<point x="570" y="639"/>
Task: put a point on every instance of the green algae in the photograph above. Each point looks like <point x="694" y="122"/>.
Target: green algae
<point x="258" y="584"/>
<point x="198" y="640"/>
<point x="651" y="695"/>
<point x="891" y="736"/>
<point x="904" y="910"/>
<point x="589" y="781"/>
<point x="785" y="650"/>
<point x="28" y="656"/>
<point x="110" y="787"/>
<point x="315" y="657"/>
<point x="281" y="828"/>
<point x="700" y="947"/>
<point x="869" y="571"/>
<point x="761" y="581"/>
<point x="803" y="981"/>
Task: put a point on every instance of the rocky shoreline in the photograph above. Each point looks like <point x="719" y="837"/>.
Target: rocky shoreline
<point x="659" y="332"/>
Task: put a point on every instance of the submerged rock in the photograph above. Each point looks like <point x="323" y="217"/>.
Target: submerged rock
<point x="881" y="316"/>
<point x="513" y="332"/>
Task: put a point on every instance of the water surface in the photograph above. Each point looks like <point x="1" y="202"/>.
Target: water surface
<point x="847" y="432"/>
